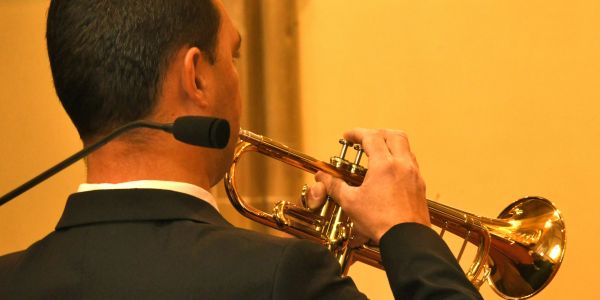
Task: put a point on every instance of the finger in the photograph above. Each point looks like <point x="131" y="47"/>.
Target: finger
<point x="372" y="141"/>
<point x="397" y="143"/>
<point x="336" y="188"/>
<point x="316" y="195"/>
<point x="414" y="159"/>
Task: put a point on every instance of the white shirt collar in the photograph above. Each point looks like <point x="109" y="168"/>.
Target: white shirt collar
<point x="182" y="187"/>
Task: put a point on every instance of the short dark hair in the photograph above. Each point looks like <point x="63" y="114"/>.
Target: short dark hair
<point x="108" y="57"/>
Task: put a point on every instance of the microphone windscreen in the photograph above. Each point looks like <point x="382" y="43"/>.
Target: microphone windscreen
<point x="202" y="131"/>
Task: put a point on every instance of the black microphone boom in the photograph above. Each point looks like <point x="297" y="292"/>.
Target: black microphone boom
<point x="194" y="130"/>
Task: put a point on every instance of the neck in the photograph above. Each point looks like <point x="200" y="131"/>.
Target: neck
<point x="160" y="157"/>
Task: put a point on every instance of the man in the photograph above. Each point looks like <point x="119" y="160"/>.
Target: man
<point x="144" y="225"/>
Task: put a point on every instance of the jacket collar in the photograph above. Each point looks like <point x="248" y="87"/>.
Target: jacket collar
<point x="103" y="206"/>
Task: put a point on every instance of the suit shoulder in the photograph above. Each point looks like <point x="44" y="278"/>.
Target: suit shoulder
<point x="10" y="259"/>
<point x="300" y="269"/>
<point x="9" y="264"/>
<point x="245" y="236"/>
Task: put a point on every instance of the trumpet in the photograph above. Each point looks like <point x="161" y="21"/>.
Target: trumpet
<point x="518" y="253"/>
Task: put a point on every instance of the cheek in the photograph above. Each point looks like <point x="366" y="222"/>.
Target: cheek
<point x="234" y="79"/>
<point x="234" y="88"/>
<point x="230" y="99"/>
<point x="227" y="86"/>
<point x="229" y="80"/>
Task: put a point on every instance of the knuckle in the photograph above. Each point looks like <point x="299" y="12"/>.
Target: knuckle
<point x="403" y="166"/>
<point x="422" y="185"/>
<point x="398" y="163"/>
<point x="413" y="171"/>
<point x="396" y="133"/>
<point x="402" y="134"/>
<point x="395" y="164"/>
<point x="372" y="134"/>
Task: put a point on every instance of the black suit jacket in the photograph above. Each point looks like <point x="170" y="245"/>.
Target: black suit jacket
<point x="156" y="244"/>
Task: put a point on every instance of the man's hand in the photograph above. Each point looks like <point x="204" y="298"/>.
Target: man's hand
<point x="392" y="192"/>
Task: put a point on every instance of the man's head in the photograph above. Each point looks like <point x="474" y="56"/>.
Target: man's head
<point x="116" y="61"/>
<point x="109" y="57"/>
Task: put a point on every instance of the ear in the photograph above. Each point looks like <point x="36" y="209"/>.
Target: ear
<point x="194" y="76"/>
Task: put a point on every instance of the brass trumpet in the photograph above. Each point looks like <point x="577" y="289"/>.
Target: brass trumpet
<point x="518" y="253"/>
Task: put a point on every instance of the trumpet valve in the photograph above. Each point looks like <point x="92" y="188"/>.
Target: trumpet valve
<point x="356" y="167"/>
<point x="304" y="197"/>
<point x="345" y="144"/>
<point x="341" y="163"/>
<point x="279" y="214"/>
<point x="340" y="236"/>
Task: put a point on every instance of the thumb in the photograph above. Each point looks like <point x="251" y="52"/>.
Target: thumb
<point x="336" y="188"/>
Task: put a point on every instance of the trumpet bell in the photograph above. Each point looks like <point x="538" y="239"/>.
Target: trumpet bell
<point x="525" y="255"/>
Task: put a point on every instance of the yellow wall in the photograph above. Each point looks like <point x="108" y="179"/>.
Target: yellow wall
<point x="35" y="130"/>
<point x="498" y="98"/>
